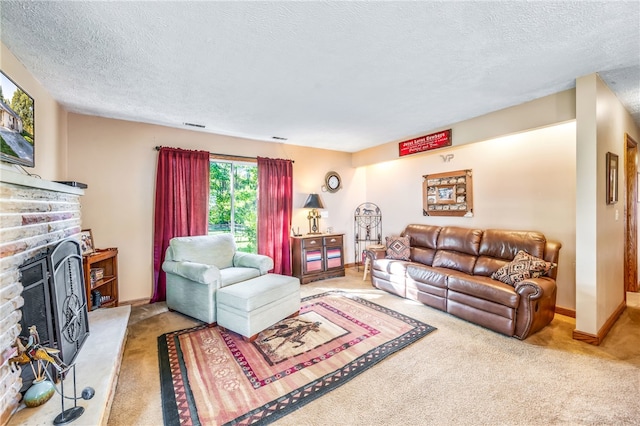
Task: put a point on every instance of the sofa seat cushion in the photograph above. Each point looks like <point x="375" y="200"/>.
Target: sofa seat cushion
<point x="422" y="274"/>
<point x="391" y="266"/>
<point x="484" y="288"/>
<point x="236" y="274"/>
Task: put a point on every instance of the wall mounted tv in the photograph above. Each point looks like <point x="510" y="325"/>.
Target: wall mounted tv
<point x="17" y="125"/>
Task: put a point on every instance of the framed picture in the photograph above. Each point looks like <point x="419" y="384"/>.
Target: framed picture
<point x="612" y="178"/>
<point x="86" y="242"/>
<point x="448" y="194"/>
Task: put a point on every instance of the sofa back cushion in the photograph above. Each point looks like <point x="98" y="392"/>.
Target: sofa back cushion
<point x="499" y="247"/>
<point x="457" y="248"/>
<point x="423" y="240"/>
<point x="217" y="250"/>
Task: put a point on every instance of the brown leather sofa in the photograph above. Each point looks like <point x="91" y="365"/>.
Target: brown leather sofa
<point x="450" y="269"/>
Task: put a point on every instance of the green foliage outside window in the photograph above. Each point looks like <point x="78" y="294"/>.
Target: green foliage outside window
<point x="22" y="105"/>
<point x="233" y="202"/>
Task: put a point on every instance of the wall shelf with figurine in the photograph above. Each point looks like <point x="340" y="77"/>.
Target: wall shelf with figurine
<point x="448" y="194"/>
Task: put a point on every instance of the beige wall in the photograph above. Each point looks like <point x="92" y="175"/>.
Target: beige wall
<point x="524" y="181"/>
<point x="50" y="121"/>
<point x="601" y="125"/>
<point x="549" y="110"/>
<point x="118" y="161"/>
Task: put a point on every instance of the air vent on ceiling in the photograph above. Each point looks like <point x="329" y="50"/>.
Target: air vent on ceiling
<point x="201" y="126"/>
<point x="278" y="138"/>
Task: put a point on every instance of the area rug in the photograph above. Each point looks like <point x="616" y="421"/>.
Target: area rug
<point x="214" y="377"/>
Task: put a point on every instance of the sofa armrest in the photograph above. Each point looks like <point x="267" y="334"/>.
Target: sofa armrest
<point x="374" y="254"/>
<point x="197" y="272"/>
<point x="537" y="305"/>
<point x="250" y="260"/>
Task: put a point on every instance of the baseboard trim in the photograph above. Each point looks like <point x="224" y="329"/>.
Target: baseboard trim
<point x="136" y="302"/>
<point x="604" y="330"/>
<point x="566" y="312"/>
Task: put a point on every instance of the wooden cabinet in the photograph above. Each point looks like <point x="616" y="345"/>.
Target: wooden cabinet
<point x="101" y="276"/>
<point x="318" y="257"/>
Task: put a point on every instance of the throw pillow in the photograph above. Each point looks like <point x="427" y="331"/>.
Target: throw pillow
<point x="398" y="248"/>
<point x="522" y="267"/>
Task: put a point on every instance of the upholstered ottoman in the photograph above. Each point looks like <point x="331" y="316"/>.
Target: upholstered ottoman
<point x="252" y="306"/>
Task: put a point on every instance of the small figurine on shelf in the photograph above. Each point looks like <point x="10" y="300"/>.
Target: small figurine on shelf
<point x="96" y="299"/>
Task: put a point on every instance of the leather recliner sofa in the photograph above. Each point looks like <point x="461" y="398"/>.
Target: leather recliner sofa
<point x="450" y="269"/>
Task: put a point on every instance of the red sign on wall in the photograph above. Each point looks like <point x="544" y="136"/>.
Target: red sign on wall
<point x="425" y="143"/>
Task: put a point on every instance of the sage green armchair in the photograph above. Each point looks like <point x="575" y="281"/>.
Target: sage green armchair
<point x="198" y="266"/>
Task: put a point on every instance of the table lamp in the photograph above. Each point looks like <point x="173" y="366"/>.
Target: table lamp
<point x="314" y="203"/>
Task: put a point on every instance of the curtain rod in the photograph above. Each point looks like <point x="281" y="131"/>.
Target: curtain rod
<point x="157" y="148"/>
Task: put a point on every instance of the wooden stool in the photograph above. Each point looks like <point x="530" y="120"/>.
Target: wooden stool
<point x="367" y="265"/>
<point x="367" y="261"/>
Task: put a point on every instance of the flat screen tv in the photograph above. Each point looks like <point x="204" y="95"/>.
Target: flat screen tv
<point x="17" y="124"/>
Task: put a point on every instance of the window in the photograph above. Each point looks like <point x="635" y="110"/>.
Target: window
<point x="233" y="201"/>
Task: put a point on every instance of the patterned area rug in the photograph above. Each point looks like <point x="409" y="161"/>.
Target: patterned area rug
<point x="211" y="377"/>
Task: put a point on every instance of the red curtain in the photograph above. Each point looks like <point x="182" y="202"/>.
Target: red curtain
<point x="275" y="208"/>
<point x="182" y="204"/>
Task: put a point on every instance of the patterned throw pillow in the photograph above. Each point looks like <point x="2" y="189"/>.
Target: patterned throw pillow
<point x="522" y="267"/>
<point x="398" y="248"/>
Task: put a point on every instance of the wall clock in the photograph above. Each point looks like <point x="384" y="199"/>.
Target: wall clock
<point x="332" y="181"/>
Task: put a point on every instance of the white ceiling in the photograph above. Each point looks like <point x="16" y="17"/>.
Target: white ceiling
<point x="334" y="75"/>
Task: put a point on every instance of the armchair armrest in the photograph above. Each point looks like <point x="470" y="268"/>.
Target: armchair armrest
<point x="197" y="272"/>
<point x="250" y="260"/>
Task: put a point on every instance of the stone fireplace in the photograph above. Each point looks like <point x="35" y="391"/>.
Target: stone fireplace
<point x="34" y="216"/>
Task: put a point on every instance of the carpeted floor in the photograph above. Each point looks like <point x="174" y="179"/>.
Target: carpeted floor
<point x="461" y="374"/>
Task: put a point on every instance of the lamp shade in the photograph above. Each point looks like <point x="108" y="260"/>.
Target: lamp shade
<point x="313" y="202"/>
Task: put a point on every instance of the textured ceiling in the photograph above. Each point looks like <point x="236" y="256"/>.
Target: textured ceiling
<point x="335" y="75"/>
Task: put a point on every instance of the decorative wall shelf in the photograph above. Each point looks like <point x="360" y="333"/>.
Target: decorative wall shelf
<point x="448" y="194"/>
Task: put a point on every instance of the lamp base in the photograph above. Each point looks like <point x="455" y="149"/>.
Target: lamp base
<point x="314" y="222"/>
<point x="67" y="416"/>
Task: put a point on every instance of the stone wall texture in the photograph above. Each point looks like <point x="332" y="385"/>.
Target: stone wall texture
<point x="32" y="221"/>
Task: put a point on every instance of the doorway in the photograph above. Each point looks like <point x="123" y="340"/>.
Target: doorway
<point x="631" y="217"/>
